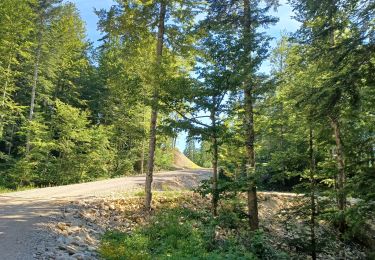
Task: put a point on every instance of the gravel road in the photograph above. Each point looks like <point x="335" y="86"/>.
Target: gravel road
<point x="22" y="214"/>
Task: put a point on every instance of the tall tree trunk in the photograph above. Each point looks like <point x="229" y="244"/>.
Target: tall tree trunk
<point x="143" y="146"/>
<point x="154" y="108"/>
<point x="33" y="90"/>
<point x="341" y="178"/>
<point x="143" y="157"/>
<point x="215" y="151"/>
<point x="312" y="195"/>
<point x="252" y="200"/>
<point x="334" y="119"/>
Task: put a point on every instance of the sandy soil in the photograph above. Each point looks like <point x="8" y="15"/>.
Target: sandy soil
<point x="22" y="214"/>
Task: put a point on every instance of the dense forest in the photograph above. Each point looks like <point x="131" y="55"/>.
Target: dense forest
<point x="72" y="113"/>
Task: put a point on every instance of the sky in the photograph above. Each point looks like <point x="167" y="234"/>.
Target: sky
<point x="87" y="7"/>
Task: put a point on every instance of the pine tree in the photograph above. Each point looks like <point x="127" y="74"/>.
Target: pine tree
<point x="145" y="18"/>
<point x="16" y="28"/>
<point x="243" y="18"/>
<point x="334" y="48"/>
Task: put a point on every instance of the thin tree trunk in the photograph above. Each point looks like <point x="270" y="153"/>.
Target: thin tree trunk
<point x="252" y="200"/>
<point x="312" y="196"/>
<point x="341" y="178"/>
<point x="154" y="109"/>
<point x="33" y="90"/>
<point x="215" y="193"/>
<point x="143" y="157"/>
<point x="143" y="146"/>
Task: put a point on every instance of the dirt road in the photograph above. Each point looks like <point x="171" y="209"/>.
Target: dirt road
<point x="23" y="213"/>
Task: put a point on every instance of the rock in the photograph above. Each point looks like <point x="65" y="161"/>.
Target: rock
<point x="71" y="249"/>
<point x="61" y="226"/>
<point x="91" y="248"/>
<point x="79" y="256"/>
<point x="62" y="247"/>
<point x="89" y="240"/>
<point x="77" y="241"/>
<point x="75" y="229"/>
<point x="61" y="240"/>
<point x="112" y="206"/>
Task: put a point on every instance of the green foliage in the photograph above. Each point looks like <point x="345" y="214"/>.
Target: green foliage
<point x="262" y="249"/>
<point x="200" y="155"/>
<point x="89" y="121"/>
<point x="67" y="150"/>
<point x="184" y="234"/>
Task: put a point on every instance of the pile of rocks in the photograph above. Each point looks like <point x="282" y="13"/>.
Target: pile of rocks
<point x="75" y="232"/>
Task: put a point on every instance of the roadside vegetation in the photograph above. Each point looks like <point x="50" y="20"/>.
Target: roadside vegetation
<point x="182" y="227"/>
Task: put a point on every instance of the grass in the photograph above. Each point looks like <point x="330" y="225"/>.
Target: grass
<point x="183" y="228"/>
<point x="7" y="190"/>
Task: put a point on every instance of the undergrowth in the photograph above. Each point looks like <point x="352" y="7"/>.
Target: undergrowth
<point x="180" y="232"/>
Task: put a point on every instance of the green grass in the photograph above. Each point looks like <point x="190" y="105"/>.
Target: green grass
<point x="165" y="193"/>
<point x="7" y="190"/>
<point x="184" y="233"/>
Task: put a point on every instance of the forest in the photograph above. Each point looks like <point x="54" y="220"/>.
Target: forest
<point x="71" y="112"/>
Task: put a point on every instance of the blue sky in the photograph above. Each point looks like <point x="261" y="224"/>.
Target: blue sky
<point x="86" y="8"/>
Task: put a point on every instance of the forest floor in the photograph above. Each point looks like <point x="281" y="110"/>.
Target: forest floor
<point x="23" y="215"/>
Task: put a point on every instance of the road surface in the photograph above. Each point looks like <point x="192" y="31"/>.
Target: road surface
<point x="23" y="213"/>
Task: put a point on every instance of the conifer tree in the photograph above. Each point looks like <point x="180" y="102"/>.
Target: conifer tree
<point x="242" y="19"/>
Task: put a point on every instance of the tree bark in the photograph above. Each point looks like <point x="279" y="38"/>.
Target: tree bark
<point x="312" y="195"/>
<point x="35" y="82"/>
<point x="215" y="151"/>
<point x="143" y="146"/>
<point x="252" y="200"/>
<point x="154" y="109"/>
<point x="341" y="178"/>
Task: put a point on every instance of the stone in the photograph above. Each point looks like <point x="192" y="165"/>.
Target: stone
<point x="91" y="248"/>
<point x="79" y="256"/>
<point x="89" y="240"/>
<point x="71" y="249"/>
<point x="62" y="247"/>
<point x="77" y="243"/>
<point x="61" y="226"/>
